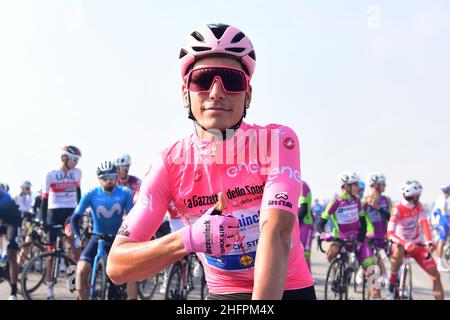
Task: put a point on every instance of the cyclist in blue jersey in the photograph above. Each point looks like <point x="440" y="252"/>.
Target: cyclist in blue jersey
<point x="10" y="218"/>
<point x="108" y="203"/>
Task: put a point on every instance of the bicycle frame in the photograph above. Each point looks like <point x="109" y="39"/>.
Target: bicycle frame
<point x="101" y="255"/>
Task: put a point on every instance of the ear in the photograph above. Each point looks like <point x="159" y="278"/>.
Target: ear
<point x="185" y="94"/>
<point x="248" y="97"/>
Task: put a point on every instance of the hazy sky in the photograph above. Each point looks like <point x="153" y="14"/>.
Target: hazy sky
<point x="365" y="84"/>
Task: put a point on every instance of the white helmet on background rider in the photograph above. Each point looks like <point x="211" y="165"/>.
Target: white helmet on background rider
<point x="411" y="188"/>
<point x="123" y="160"/>
<point x="347" y="177"/>
<point x="373" y="178"/>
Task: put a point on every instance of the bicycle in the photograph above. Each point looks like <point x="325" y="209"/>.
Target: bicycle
<point x="340" y="271"/>
<point x="403" y="284"/>
<point x="180" y="280"/>
<point x="62" y="271"/>
<point x="147" y="287"/>
<point x="101" y="286"/>
<point x="375" y="279"/>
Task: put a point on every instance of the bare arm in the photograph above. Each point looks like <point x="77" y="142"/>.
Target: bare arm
<point x="272" y="255"/>
<point x="133" y="261"/>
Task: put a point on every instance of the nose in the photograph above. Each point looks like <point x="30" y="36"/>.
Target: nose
<point x="217" y="91"/>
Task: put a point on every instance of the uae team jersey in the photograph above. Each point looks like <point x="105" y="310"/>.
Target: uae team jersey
<point x="257" y="169"/>
<point x="61" y="188"/>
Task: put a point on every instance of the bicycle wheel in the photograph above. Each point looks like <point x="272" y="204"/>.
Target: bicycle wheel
<point x="446" y="254"/>
<point x="336" y="283"/>
<point x="174" y="289"/>
<point x="29" y="250"/>
<point x="203" y="287"/>
<point x="63" y="276"/>
<point x="99" y="283"/>
<point x="148" y="287"/>
<point x="405" y="289"/>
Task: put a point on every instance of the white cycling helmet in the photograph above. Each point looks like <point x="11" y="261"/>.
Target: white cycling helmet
<point x="106" y="167"/>
<point x="373" y="178"/>
<point x="123" y="160"/>
<point x="347" y="177"/>
<point x="26" y="184"/>
<point x="411" y="188"/>
<point x="445" y="188"/>
<point x="381" y="178"/>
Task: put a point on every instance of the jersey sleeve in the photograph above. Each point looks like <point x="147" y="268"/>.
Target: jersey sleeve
<point x="85" y="202"/>
<point x="151" y="205"/>
<point x="329" y="210"/>
<point x="282" y="188"/>
<point x="46" y="187"/>
<point x="128" y="200"/>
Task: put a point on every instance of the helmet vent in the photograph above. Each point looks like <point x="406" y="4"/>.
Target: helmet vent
<point x="237" y="50"/>
<point x="252" y="55"/>
<point x="198" y="36"/>
<point x="200" y="49"/>
<point x="238" y="37"/>
<point x="218" y="29"/>
<point x="183" y="52"/>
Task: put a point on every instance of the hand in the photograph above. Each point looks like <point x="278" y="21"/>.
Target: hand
<point x="77" y="243"/>
<point x="213" y="234"/>
<point x="325" y="236"/>
<point x="430" y="246"/>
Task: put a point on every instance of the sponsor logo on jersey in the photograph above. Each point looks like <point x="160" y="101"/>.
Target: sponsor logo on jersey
<point x="246" y="260"/>
<point x="102" y="211"/>
<point x="286" y="170"/>
<point x="280" y="203"/>
<point x="289" y="143"/>
<point x="123" y="230"/>
<point x="250" y="168"/>
<point x="244" y="191"/>
<point x="282" y="195"/>
<point x="197" y="201"/>
<point x="246" y="221"/>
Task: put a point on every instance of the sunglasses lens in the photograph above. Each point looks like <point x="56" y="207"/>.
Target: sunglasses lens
<point x="106" y="177"/>
<point x="233" y="80"/>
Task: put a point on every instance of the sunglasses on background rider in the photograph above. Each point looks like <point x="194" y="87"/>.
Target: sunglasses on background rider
<point x="202" y="79"/>
<point x="108" y="176"/>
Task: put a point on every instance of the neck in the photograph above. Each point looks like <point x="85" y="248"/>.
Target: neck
<point x="214" y="134"/>
<point x="65" y="168"/>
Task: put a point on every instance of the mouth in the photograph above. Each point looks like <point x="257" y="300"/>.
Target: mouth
<point x="220" y="109"/>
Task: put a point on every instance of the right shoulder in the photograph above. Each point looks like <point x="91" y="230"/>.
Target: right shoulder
<point x="180" y="150"/>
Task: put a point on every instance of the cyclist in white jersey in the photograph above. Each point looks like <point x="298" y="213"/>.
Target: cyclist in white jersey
<point x="60" y="196"/>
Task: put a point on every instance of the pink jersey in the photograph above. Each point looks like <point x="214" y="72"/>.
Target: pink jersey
<point x="257" y="169"/>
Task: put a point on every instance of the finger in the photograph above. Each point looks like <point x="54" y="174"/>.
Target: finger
<point x="221" y="205"/>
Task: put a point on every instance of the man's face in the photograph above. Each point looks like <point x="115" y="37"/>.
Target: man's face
<point x="123" y="171"/>
<point x="108" y="181"/>
<point x="216" y="109"/>
<point x="382" y="187"/>
<point x="71" y="162"/>
<point x="26" y="190"/>
<point x="352" y="189"/>
<point x="413" y="200"/>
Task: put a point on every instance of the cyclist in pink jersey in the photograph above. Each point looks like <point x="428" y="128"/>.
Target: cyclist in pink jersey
<point x="237" y="185"/>
<point x="406" y="220"/>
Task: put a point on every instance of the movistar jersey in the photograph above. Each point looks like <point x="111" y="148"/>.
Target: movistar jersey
<point x="107" y="208"/>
